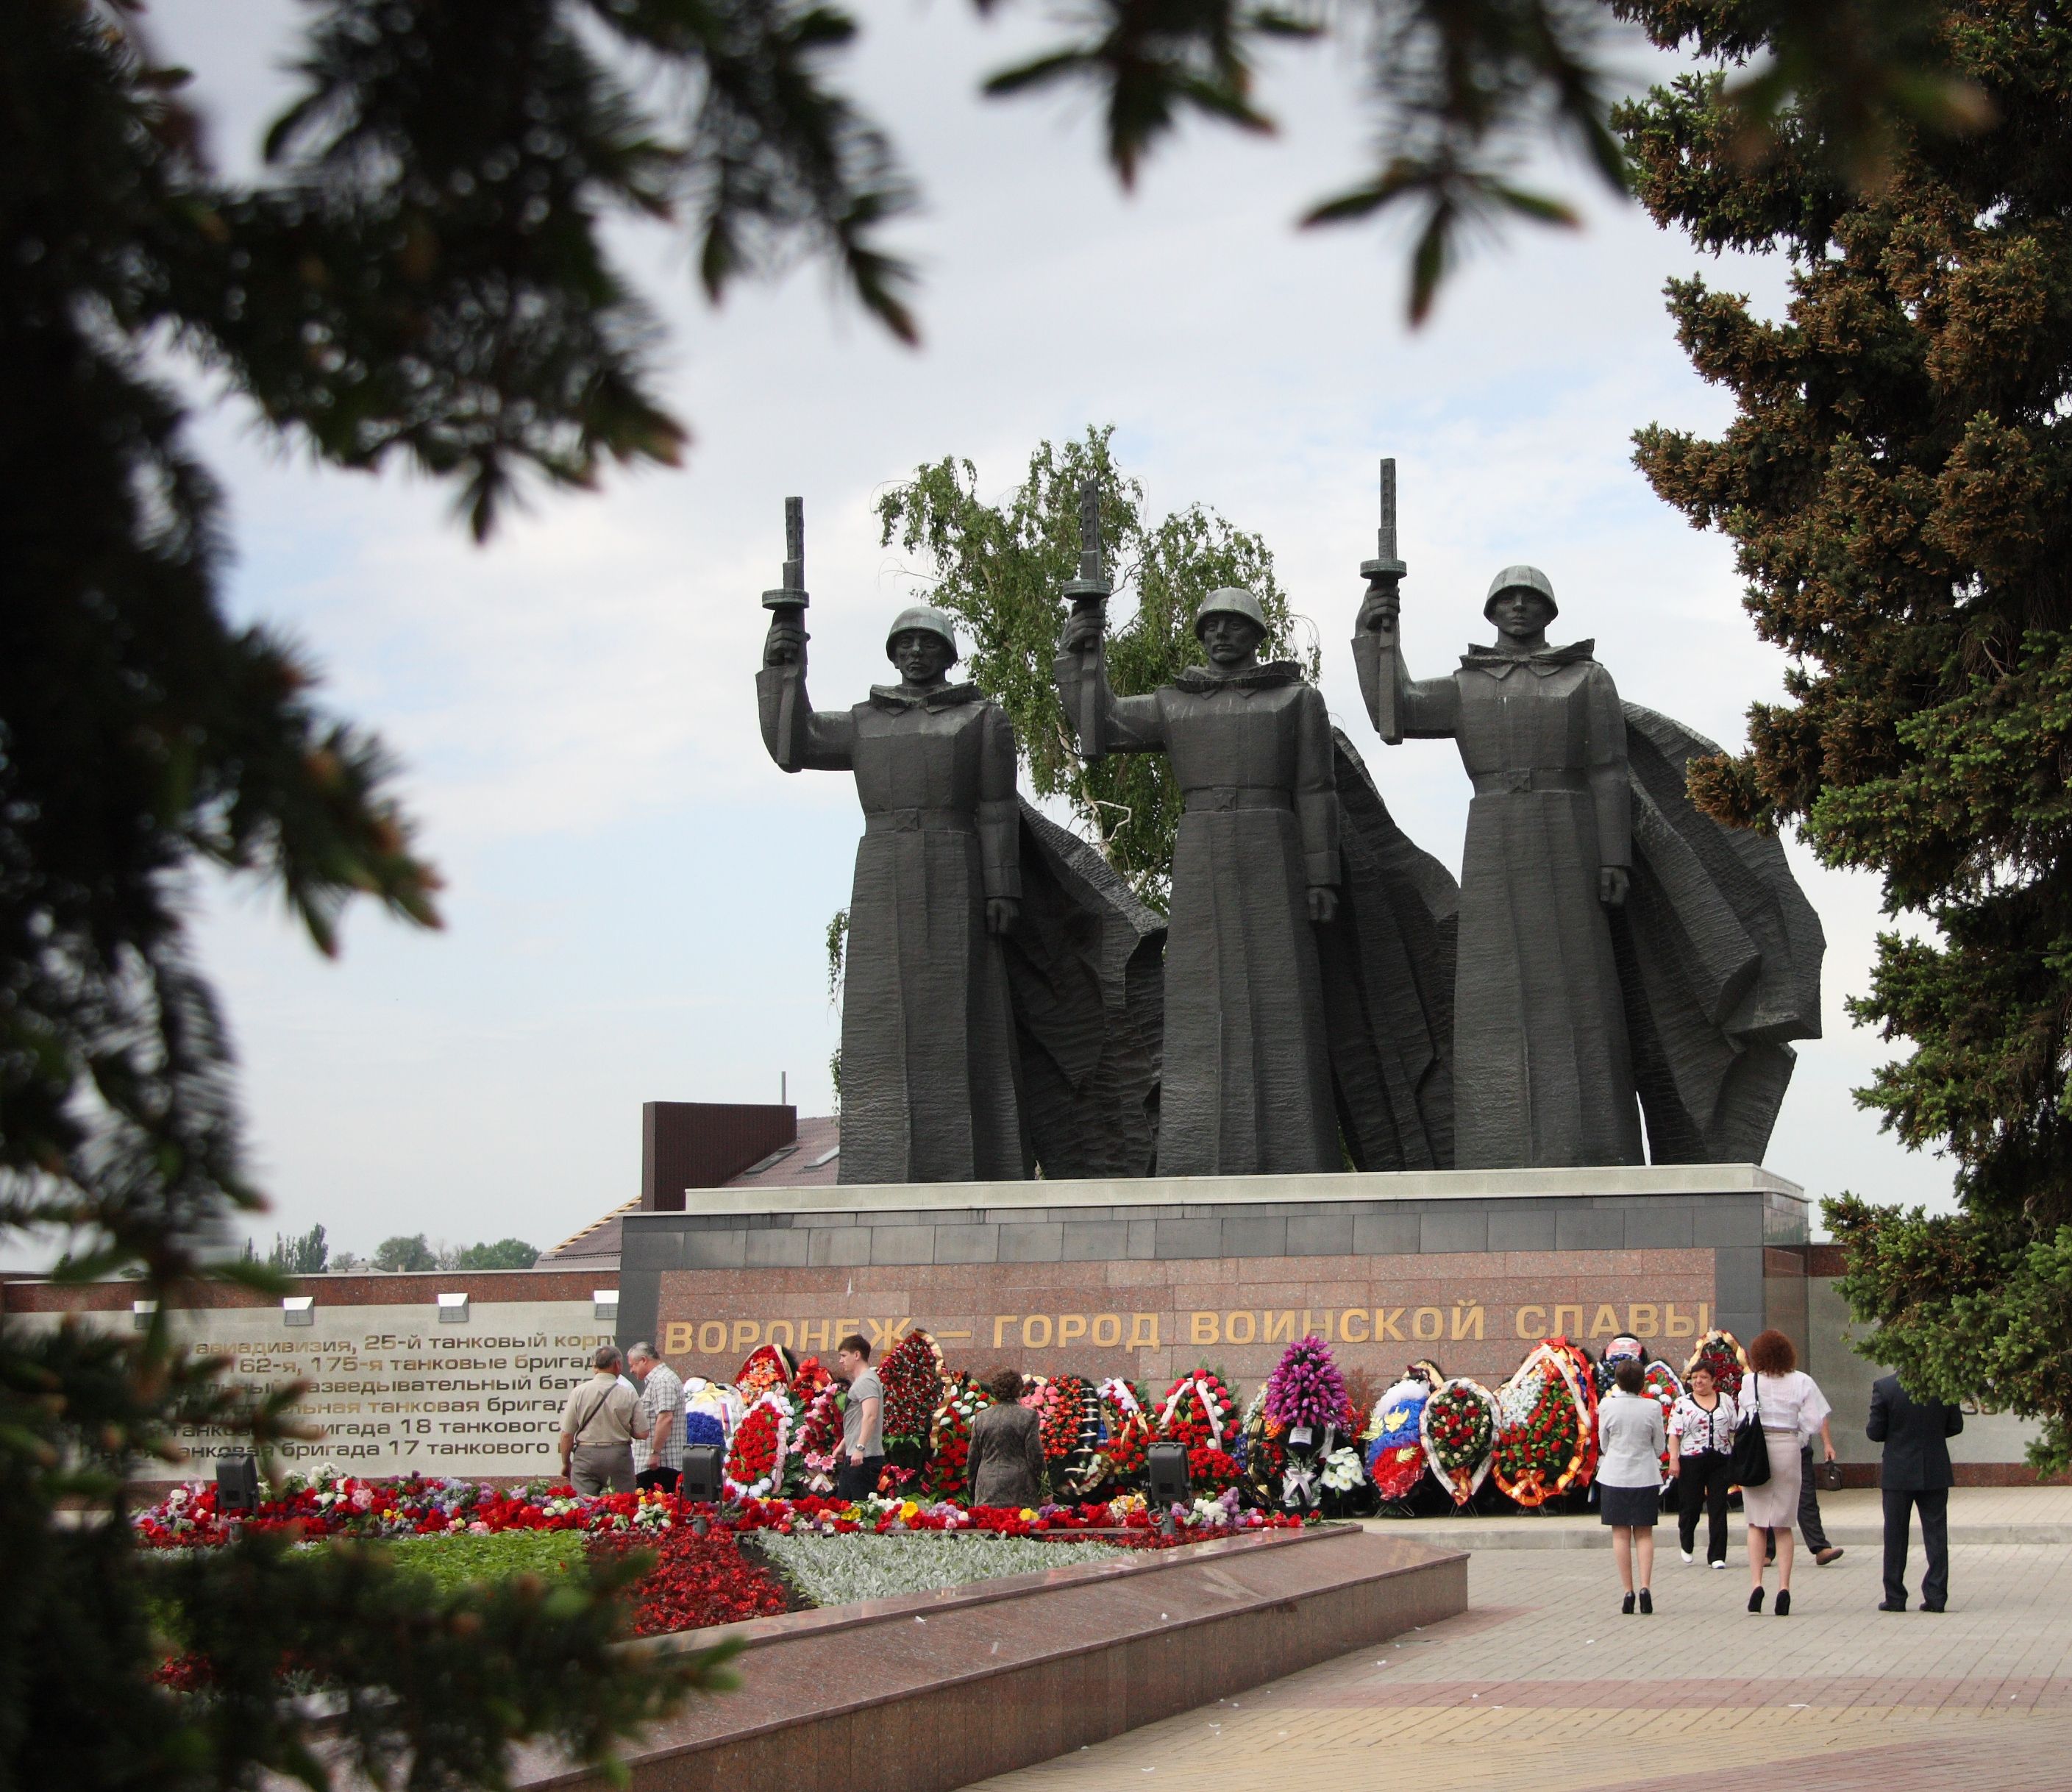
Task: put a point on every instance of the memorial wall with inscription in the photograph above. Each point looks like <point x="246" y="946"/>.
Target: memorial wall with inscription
<point x="399" y="1380"/>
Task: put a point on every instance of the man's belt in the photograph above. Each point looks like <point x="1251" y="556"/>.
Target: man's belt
<point x="1213" y="797"/>
<point x="1524" y="778"/>
<point x="920" y="821"/>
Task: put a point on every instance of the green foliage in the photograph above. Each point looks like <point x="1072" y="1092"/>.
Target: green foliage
<point x="461" y="1561"/>
<point x="505" y="1253"/>
<point x="998" y="567"/>
<point x="1895" y="483"/>
<point x="306" y="1254"/>
<point x="400" y="1255"/>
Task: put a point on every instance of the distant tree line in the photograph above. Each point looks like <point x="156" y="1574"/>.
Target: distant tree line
<point x="309" y="1254"/>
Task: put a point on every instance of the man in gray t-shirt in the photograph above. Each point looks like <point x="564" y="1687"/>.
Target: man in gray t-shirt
<point x="863" y="1421"/>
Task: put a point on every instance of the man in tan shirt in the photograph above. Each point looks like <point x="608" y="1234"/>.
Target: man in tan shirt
<point x="598" y="1426"/>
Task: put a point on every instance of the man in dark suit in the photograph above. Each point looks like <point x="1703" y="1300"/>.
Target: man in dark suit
<point x="1915" y="1472"/>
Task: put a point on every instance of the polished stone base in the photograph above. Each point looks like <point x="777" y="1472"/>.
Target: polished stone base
<point x="1147" y="1277"/>
<point x="928" y="1693"/>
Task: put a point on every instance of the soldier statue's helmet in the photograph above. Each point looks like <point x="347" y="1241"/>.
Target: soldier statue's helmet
<point x="1521" y="578"/>
<point x="928" y="620"/>
<point x="1231" y="600"/>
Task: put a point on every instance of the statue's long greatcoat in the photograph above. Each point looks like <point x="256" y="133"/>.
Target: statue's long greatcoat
<point x="930" y="1085"/>
<point x="1543" y="1075"/>
<point x="1247" y="1081"/>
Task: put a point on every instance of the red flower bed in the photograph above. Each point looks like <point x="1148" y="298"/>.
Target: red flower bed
<point x="697" y="1581"/>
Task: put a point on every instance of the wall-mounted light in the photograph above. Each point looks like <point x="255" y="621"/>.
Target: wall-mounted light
<point x="604" y="1303"/>
<point x="140" y="1313"/>
<point x="453" y="1310"/>
<point x="298" y="1309"/>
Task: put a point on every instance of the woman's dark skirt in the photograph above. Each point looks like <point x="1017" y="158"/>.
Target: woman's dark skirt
<point x="1639" y="1506"/>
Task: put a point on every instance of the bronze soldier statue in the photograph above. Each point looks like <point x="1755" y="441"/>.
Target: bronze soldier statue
<point x="930" y="1084"/>
<point x="1247" y="1080"/>
<point x="1543" y="1072"/>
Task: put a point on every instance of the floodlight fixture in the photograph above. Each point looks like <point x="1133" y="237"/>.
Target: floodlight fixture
<point x="298" y="1309"/>
<point x="141" y="1312"/>
<point x="1168" y="1475"/>
<point x="236" y="1484"/>
<point x="453" y="1310"/>
<point x="604" y="1303"/>
<point x="700" y="1482"/>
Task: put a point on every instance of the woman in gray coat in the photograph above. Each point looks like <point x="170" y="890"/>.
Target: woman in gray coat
<point x="1629" y="1436"/>
<point x="1006" y="1464"/>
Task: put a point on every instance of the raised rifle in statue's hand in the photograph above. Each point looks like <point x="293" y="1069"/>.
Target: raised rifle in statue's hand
<point x="1379" y="611"/>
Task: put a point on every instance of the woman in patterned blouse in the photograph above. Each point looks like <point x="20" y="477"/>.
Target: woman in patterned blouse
<point x="1701" y="1432"/>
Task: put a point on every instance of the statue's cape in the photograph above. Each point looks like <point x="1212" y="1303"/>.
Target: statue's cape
<point x="1719" y="955"/>
<point x="1086" y="978"/>
<point x="1388" y="965"/>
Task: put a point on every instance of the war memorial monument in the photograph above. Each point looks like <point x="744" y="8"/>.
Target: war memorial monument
<point x="1335" y="1089"/>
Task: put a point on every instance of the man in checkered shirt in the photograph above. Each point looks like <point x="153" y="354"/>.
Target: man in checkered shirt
<point x="658" y="1460"/>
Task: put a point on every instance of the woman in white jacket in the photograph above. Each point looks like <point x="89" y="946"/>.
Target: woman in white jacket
<point x="1630" y="1444"/>
<point x="1792" y="1408"/>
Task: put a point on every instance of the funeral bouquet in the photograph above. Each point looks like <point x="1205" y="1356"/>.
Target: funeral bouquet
<point x="1661" y="1381"/>
<point x="1458" y="1430"/>
<point x="1305" y="1392"/>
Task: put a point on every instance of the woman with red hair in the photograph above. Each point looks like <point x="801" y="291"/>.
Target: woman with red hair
<point x="1791" y="1407"/>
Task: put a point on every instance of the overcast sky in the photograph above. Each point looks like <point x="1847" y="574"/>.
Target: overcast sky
<point x="635" y="897"/>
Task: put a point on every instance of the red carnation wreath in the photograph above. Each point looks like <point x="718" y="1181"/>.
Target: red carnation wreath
<point x="1458" y="1430"/>
<point x="949" y="1434"/>
<point x="912" y="1373"/>
<point x="1539" y="1449"/>
<point x="755" y="1458"/>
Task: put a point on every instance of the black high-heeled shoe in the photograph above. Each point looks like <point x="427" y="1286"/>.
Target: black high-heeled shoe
<point x="1626" y="1606"/>
<point x="1646" y="1603"/>
<point x="1755" y="1599"/>
<point x="1784" y="1602"/>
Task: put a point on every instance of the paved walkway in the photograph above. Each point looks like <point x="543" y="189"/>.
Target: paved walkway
<point x="1543" y="1685"/>
<point x="1854" y="1517"/>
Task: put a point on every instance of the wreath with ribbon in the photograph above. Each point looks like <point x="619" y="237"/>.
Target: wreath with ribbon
<point x="815" y="1458"/>
<point x="755" y="1458"/>
<point x="912" y="1375"/>
<point x="1121" y="1436"/>
<point x="1198" y="1409"/>
<point x="712" y="1411"/>
<point x="1722" y="1352"/>
<point x="949" y="1434"/>
<point x="1663" y="1382"/>
<point x="769" y="1366"/>
<point x="1394" y="1443"/>
<point x="1265" y="1454"/>
<point x="1539" y="1450"/>
<point x="1585" y="1380"/>
<point x="1457" y="1428"/>
<point x="1062" y="1411"/>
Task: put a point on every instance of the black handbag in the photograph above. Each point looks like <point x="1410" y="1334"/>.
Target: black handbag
<point x="1751" y="1448"/>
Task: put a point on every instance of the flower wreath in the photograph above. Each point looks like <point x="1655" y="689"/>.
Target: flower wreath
<point x="1539" y="1449"/>
<point x="1121" y="1436"/>
<point x="912" y="1374"/>
<point x="1197" y="1409"/>
<point x="768" y="1366"/>
<point x="816" y="1442"/>
<point x="1395" y="1445"/>
<point x="1457" y="1428"/>
<point x="1662" y="1381"/>
<point x="949" y="1434"/>
<point x="1722" y="1352"/>
<point x="1586" y="1381"/>
<point x="712" y="1411"/>
<point x="755" y="1459"/>
<point x="1062" y="1412"/>
<point x="1265" y="1453"/>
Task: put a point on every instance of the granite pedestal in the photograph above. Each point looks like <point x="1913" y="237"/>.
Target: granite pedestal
<point x="1146" y="1277"/>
